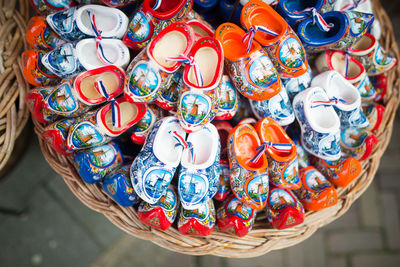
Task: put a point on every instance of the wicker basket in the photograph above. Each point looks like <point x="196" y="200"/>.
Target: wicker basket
<point x="261" y="239"/>
<point x="13" y="112"/>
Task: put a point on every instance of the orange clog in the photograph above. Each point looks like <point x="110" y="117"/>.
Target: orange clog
<point x="284" y="49"/>
<point x="40" y="36"/>
<point x="283" y="164"/>
<point x="248" y="166"/>
<point x="34" y="72"/>
<point x="251" y="72"/>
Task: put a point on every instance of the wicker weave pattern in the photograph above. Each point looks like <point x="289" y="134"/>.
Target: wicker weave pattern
<point x="261" y="239"/>
<point x="13" y="112"/>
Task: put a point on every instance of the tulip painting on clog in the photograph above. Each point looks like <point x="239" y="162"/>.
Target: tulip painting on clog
<point x="153" y="70"/>
<point x="155" y="165"/>
<point x="357" y="143"/>
<point x="235" y="217"/>
<point x="316" y="192"/>
<point x="200" y="167"/>
<point x="281" y="154"/>
<point x="374" y="113"/>
<point x="333" y="30"/>
<point x="34" y="100"/>
<point x="339" y="172"/>
<point x="228" y="100"/>
<point x="276" y="37"/>
<point x="248" y="166"/>
<point x="143" y="127"/>
<point x="40" y="36"/>
<point x="296" y="85"/>
<point x="88" y="21"/>
<point x="198" y="222"/>
<point x="371" y="54"/>
<point x="118" y="186"/>
<point x="278" y="107"/>
<point x="44" y="7"/>
<point x="35" y="73"/>
<point x="319" y="123"/>
<point x="162" y="214"/>
<point x="284" y="210"/>
<point x="151" y="18"/>
<point x="95" y="163"/>
<point x="56" y="135"/>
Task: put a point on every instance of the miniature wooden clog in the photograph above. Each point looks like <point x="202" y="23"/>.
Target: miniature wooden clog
<point x="200" y="27"/>
<point x="200" y="168"/>
<point x="44" y="7"/>
<point x="374" y="113"/>
<point x="235" y="217"/>
<point x="95" y="163"/>
<point x="142" y="128"/>
<point x="202" y="77"/>
<point x="379" y="82"/>
<point x="281" y="42"/>
<point x="118" y="186"/>
<point x="357" y="143"/>
<point x="40" y="36"/>
<point x="340" y="172"/>
<point x="118" y="3"/>
<point x="198" y="222"/>
<point x="284" y="210"/>
<point x="228" y="100"/>
<point x="316" y="192"/>
<point x="281" y="154"/>
<point x="168" y="96"/>
<point x="319" y="123"/>
<point x="162" y="214"/>
<point x="151" y="19"/>
<point x="56" y="135"/>
<point x="249" y="67"/>
<point x="34" y="71"/>
<point x="34" y="101"/>
<point x="248" y="166"/>
<point x="295" y="85"/>
<point x="151" y="72"/>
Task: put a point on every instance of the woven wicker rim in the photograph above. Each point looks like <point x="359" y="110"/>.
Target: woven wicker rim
<point x="13" y="87"/>
<point x="261" y="239"/>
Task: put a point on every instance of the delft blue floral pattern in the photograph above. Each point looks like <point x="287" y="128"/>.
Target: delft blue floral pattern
<point x="64" y="24"/>
<point x="352" y="118"/>
<point x="296" y="85"/>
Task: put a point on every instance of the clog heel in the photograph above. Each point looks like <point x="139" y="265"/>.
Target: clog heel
<point x="198" y="222"/>
<point x="35" y="73"/>
<point x="56" y="135"/>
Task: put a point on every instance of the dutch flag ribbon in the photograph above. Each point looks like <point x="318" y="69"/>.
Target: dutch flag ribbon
<point x="279" y="147"/>
<point x="249" y="36"/>
<point x="317" y="18"/>
<point x="157" y="4"/>
<point x="100" y="88"/>
<point x="327" y="103"/>
<point x="181" y="142"/>
<point x="98" y="38"/>
<point x="353" y="5"/>
<point x="347" y="61"/>
<point x="189" y="60"/>
<point x="115" y="109"/>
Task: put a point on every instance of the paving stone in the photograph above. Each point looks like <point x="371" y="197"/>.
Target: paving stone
<point x="337" y="261"/>
<point x="314" y="250"/>
<point x="46" y="236"/>
<point x="129" y="251"/>
<point x="348" y="220"/>
<point x="354" y="240"/>
<point x="369" y="209"/>
<point x="16" y="187"/>
<point x="376" y="259"/>
<point x="391" y="220"/>
<point x="102" y="230"/>
<point x="294" y="256"/>
<point x="273" y="258"/>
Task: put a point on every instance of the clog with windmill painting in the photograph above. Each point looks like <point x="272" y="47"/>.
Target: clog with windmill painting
<point x="162" y="214"/>
<point x="224" y="187"/>
<point x="200" y="167"/>
<point x="319" y="123"/>
<point x="247" y="64"/>
<point x="197" y="222"/>
<point x="333" y="30"/>
<point x="142" y="128"/>
<point x="151" y="18"/>
<point x="94" y="163"/>
<point x="44" y="7"/>
<point x="100" y="126"/>
<point x="34" y="102"/>
<point x="35" y="73"/>
<point x="277" y="107"/>
<point x="276" y="37"/>
<point x="155" y="165"/>
<point x="281" y="154"/>
<point x="40" y="36"/>
<point x="202" y="77"/>
<point x="357" y="143"/>
<point x="374" y="113"/>
<point x="56" y="135"/>
<point x="235" y="217"/>
<point x="228" y="100"/>
<point x="89" y="21"/>
<point x="153" y="70"/>
<point x="118" y="186"/>
<point x="349" y="68"/>
<point x="284" y="210"/>
<point x="248" y="166"/>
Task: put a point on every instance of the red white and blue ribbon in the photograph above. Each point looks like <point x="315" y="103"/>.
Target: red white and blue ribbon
<point x="98" y="38"/>
<point x="249" y="36"/>
<point x="157" y="4"/>
<point x="327" y="103"/>
<point x="279" y="147"/>
<point x="346" y="67"/>
<point x="182" y="142"/>
<point x="190" y="61"/>
<point x="115" y="109"/>
<point x="353" y="5"/>
<point x="99" y="86"/>
<point x="317" y="18"/>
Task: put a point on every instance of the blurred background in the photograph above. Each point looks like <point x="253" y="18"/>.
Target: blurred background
<point x="43" y="224"/>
